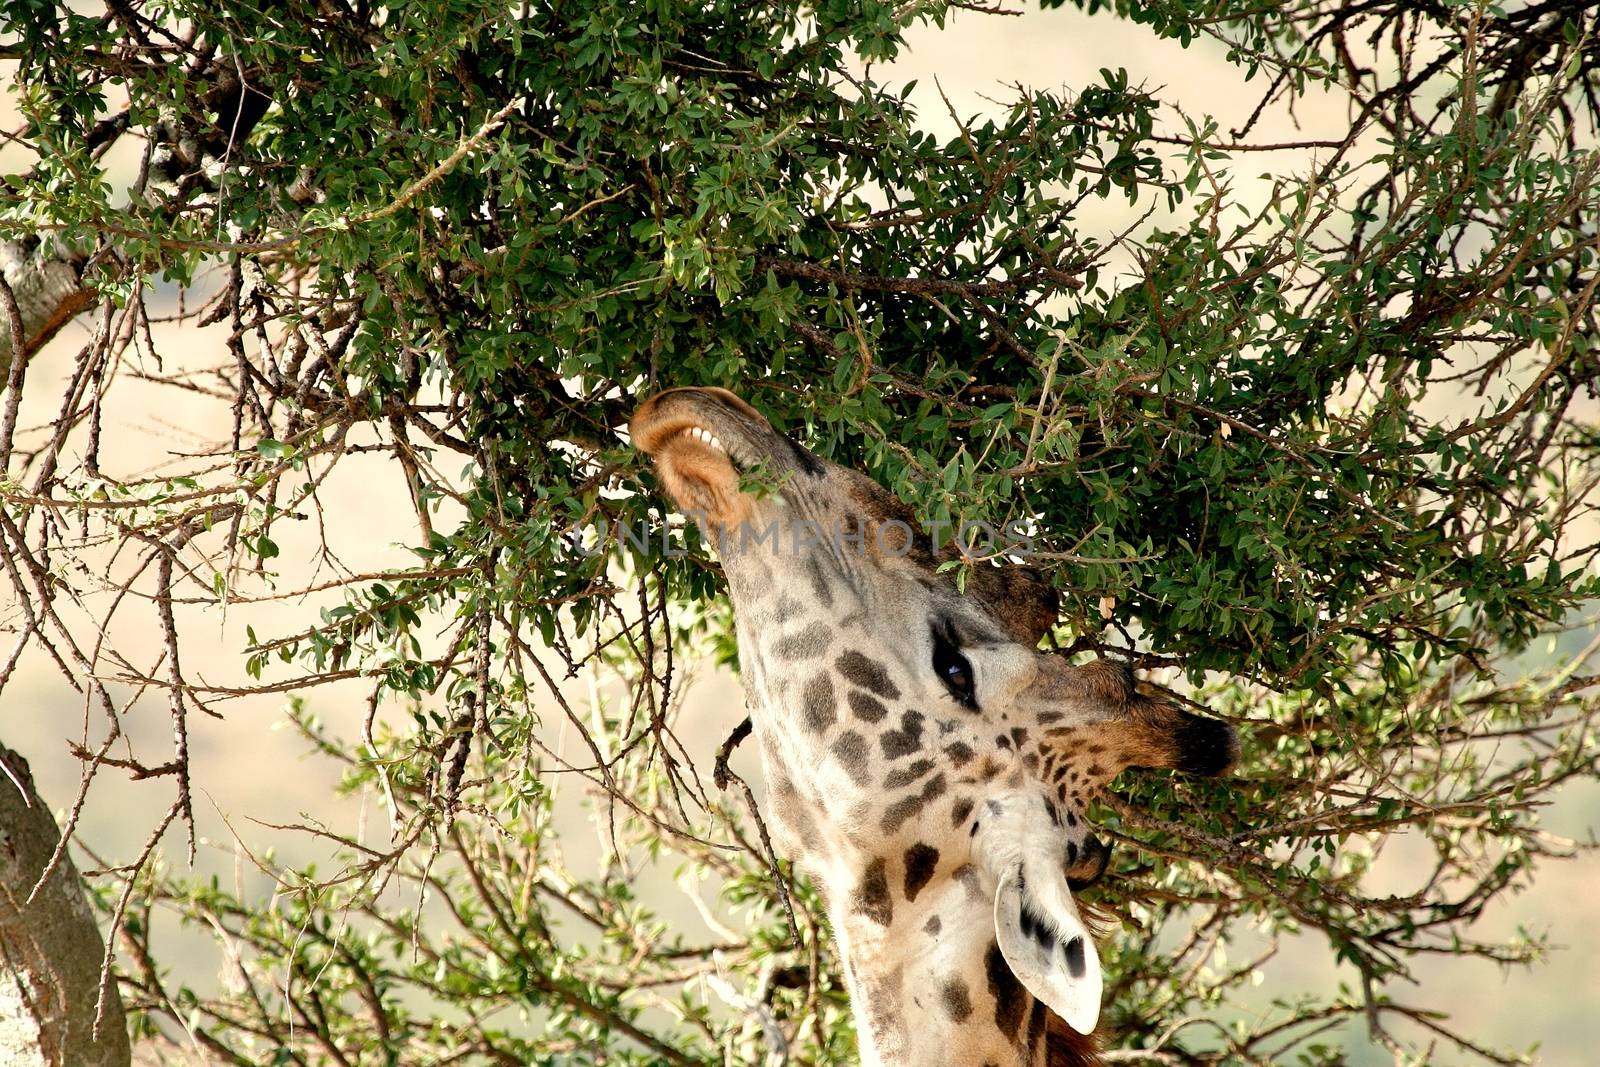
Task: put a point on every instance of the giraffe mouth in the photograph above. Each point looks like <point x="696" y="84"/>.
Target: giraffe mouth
<point x="693" y="437"/>
<point x="702" y="439"/>
<point x="704" y="436"/>
<point x="699" y="440"/>
<point x="678" y="440"/>
<point x="711" y="418"/>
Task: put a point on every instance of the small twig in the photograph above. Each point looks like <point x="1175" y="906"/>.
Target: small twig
<point x="720" y="774"/>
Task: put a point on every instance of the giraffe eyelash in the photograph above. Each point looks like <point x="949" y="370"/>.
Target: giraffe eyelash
<point x="952" y="668"/>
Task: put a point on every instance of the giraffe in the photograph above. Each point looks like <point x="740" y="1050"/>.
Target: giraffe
<point x="927" y="766"/>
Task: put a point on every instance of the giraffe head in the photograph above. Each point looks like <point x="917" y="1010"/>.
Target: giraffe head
<point x="926" y="763"/>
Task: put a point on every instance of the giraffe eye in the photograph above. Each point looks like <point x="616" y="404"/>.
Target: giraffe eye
<point x="952" y="667"/>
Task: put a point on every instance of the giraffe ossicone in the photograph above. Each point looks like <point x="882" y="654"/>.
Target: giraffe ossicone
<point x="927" y="765"/>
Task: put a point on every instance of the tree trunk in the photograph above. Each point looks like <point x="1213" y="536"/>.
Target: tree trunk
<point x="50" y="949"/>
<point x="46" y="281"/>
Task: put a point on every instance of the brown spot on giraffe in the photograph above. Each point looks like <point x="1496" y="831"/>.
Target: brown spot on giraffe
<point x="960" y="810"/>
<point x="787" y="609"/>
<point x="851" y="750"/>
<point x="896" y="814"/>
<point x="907" y="739"/>
<point x="818" y="704"/>
<point x="1010" y="999"/>
<point x="957" y="1001"/>
<point x="866" y="708"/>
<point x="819" y="583"/>
<point x="899" y="779"/>
<point x="809" y="643"/>
<point x="921" y="860"/>
<point x="867" y="673"/>
<point x="1036" y="1017"/>
<point x="872" y="894"/>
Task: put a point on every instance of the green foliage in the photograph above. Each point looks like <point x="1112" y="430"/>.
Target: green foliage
<point x="1328" y="451"/>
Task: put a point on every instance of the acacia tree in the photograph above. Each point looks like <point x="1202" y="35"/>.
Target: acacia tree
<point x="1327" y="462"/>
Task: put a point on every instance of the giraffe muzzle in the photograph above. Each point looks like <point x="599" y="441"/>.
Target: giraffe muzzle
<point x="1207" y="747"/>
<point x="702" y="438"/>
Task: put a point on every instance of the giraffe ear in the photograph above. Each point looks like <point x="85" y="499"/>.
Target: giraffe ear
<point x="1046" y="944"/>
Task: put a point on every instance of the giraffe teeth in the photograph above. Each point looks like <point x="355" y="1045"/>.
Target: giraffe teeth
<point x="706" y="437"/>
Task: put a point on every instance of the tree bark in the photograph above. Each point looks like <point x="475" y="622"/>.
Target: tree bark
<point x="50" y="949"/>
<point x="46" y="280"/>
